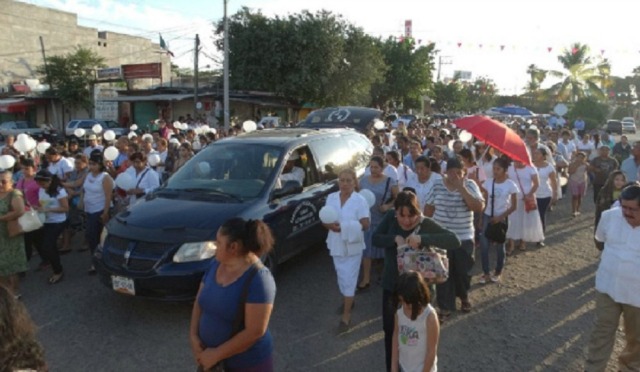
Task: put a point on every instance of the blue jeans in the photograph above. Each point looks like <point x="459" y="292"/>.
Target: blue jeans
<point x="484" y="249"/>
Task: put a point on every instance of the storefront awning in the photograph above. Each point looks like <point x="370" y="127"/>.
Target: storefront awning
<point x="14" y="105"/>
<point x="152" y="98"/>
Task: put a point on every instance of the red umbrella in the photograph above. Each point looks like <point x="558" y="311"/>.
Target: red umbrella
<point x="497" y="135"/>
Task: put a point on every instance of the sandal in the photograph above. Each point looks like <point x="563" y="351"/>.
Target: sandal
<point x="510" y="251"/>
<point x="443" y="316"/>
<point x="56" y="278"/>
<point x="343" y="327"/>
<point x="363" y="288"/>
<point x="466" y="306"/>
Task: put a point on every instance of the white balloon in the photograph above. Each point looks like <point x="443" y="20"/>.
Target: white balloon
<point x="153" y="159"/>
<point x="111" y="153"/>
<point x="204" y="168"/>
<point x="7" y="161"/>
<point x="96" y="128"/>
<point x="132" y="134"/>
<point x="465" y="136"/>
<point x="213" y="130"/>
<point x="79" y="132"/>
<point x="21" y="146"/>
<point x="42" y="147"/>
<point x="22" y="137"/>
<point x="249" y="126"/>
<point x="378" y="124"/>
<point x="145" y="136"/>
<point x="31" y="144"/>
<point x="328" y="214"/>
<point x="133" y="127"/>
<point x="177" y="124"/>
<point x="125" y="181"/>
<point x="109" y="135"/>
<point x="196" y="145"/>
<point x="174" y="140"/>
<point x="368" y="196"/>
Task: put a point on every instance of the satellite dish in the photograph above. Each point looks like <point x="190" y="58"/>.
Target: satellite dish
<point x="560" y="109"/>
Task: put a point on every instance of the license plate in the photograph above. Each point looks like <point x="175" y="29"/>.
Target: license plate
<point x="123" y="285"/>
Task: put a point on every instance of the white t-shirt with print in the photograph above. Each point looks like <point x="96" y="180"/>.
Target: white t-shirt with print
<point x="50" y="202"/>
<point x="501" y="196"/>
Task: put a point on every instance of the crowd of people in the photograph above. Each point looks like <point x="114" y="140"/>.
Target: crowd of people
<point x="430" y="188"/>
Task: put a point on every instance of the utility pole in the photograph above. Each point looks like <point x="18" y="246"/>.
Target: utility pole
<point x="195" y="77"/>
<point x="443" y="60"/>
<point x="46" y="69"/>
<point x="226" y="69"/>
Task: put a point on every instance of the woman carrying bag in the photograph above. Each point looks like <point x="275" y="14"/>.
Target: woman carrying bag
<point x="500" y="194"/>
<point x="397" y="228"/>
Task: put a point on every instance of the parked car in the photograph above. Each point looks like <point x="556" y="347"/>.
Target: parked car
<point x="14" y="128"/>
<point x="629" y="125"/>
<point x="614" y="126"/>
<point x="161" y="246"/>
<point x="358" y="118"/>
<point x="87" y="125"/>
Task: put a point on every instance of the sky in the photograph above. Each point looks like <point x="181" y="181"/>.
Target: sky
<point x="497" y="39"/>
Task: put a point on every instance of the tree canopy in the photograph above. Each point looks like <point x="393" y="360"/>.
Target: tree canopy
<point x="321" y="58"/>
<point x="70" y="76"/>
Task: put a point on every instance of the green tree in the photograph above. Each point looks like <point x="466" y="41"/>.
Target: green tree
<point x="536" y="77"/>
<point x="304" y="57"/>
<point x="479" y="95"/>
<point x="591" y="110"/>
<point x="409" y="74"/>
<point x="448" y="97"/>
<point x="582" y="77"/>
<point x="71" y="76"/>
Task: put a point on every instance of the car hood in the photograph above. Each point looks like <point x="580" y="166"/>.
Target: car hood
<point x="173" y="220"/>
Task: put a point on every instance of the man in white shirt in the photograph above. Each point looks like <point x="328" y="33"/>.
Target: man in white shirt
<point x="422" y="181"/>
<point x="291" y="172"/>
<point x="92" y="142"/>
<point x="566" y="147"/>
<point x="58" y="166"/>
<point x="618" y="284"/>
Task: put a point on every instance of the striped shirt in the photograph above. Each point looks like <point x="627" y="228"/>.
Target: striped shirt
<point x="450" y="209"/>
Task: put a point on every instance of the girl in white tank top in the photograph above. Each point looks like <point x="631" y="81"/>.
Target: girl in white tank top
<point x="416" y="333"/>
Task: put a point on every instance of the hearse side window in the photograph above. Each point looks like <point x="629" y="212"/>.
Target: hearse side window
<point x="363" y="149"/>
<point x="332" y="155"/>
<point x="308" y="164"/>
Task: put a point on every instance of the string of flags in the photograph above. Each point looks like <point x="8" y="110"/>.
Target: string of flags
<point x="515" y="47"/>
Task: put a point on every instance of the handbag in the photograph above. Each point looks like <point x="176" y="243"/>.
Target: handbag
<point x="238" y="321"/>
<point x="530" y="203"/>
<point x="30" y="220"/>
<point x="496" y="232"/>
<point x="430" y="262"/>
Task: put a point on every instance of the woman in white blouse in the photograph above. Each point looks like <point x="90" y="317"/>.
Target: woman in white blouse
<point x="346" y="238"/>
<point x="524" y="226"/>
<point x="146" y="178"/>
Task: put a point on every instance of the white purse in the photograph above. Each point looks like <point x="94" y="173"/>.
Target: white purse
<point x="31" y="220"/>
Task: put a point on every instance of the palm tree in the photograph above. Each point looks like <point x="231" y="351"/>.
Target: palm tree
<point x="536" y="77"/>
<point x="581" y="79"/>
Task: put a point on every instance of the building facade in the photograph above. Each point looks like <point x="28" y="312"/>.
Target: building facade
<point x="22" y="25"/>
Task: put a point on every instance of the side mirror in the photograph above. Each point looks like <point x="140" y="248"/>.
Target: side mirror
<point x="289" y="188"/>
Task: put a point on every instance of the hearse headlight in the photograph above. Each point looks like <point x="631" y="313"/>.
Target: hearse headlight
<point x="198" y="251"/>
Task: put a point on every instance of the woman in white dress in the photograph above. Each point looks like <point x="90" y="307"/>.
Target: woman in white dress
<point x="547" y="193"/>
<point x="524" y="226"/>
<point x="346" y="238"/>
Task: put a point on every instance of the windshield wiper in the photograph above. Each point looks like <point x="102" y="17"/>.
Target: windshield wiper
<point x="214" y="192"/>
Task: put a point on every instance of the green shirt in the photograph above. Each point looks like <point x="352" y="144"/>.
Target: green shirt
<point x="431" y="233"/>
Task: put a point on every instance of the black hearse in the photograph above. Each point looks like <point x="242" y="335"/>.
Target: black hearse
<point x="361" y="119"/>
<point x="161" y="246"/>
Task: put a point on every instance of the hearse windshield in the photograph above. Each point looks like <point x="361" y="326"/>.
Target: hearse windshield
<point x="238" y="171"/>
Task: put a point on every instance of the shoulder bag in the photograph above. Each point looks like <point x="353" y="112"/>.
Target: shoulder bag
<point x="496" y="232"/>
<point x="30" y="220"/>
<point x="430" y="262"/>
<point x="238" y="321"/>
<point x="530" y="203"/>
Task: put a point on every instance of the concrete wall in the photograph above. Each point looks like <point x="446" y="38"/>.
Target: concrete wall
<point x="21" y="25"/>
